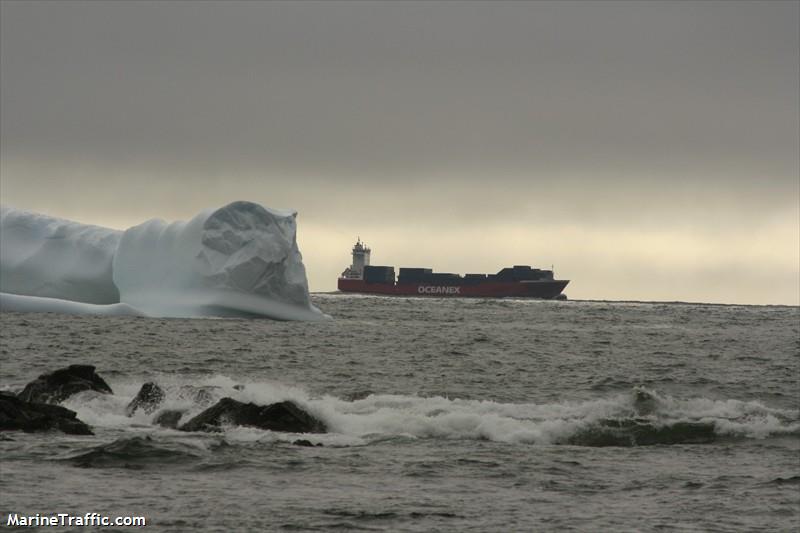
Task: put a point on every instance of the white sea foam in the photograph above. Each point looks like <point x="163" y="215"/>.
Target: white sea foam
<point x="380" y="416"/>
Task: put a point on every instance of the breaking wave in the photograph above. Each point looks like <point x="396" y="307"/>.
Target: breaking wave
<point x="636" y="418"/>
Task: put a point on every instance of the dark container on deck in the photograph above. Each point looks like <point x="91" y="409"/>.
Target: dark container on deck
<point x="378" y="274"/>
<point x="414" y="275"/>
<point x="414" y="272"/>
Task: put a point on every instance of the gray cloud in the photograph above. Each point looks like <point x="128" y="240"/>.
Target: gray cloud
<point x="604" y="114"/>
<point x="404" y="89"/>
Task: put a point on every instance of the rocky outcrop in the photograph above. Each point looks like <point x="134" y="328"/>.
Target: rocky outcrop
<point x="63" y="383"/>
<point x="306" y="443"/>
<point x="17" y="414"/>
<point x="168" y="418"/>
<point x="149" y="398"/>
<point x="282" y="416"/>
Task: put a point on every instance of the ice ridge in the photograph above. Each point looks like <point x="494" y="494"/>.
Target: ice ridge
<point x="238" y="260"/>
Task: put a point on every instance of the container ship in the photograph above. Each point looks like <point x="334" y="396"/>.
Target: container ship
<point x="519" y="281"/>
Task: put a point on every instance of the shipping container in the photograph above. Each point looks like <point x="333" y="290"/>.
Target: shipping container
<point x="379" y="274"/>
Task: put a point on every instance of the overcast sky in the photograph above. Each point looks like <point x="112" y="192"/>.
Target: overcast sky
<point x="648" y="150"/>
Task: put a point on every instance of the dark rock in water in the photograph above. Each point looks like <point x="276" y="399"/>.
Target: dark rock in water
<point x="17" y="414"/>
<point x="238" y="387"/>
<point x="283" y="416"/>
<point x="168" y="418"/>
<point x="63" y="383"/>
<point x="306" y="442"/>
<point x="643" y="432"/>
<point x="148" y="398"/>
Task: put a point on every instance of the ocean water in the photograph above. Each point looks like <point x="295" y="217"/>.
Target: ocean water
<point x="445" y="415"/>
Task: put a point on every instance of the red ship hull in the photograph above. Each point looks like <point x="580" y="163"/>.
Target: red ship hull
<point x="546" y="289"/>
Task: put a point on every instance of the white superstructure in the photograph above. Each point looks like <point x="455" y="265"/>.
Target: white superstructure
<point x="360" y="260"/>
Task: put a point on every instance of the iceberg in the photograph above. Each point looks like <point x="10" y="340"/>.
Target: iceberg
<point x="240" y="260"/>
<point x="36" y="304"/>
<point x="55" y="258"/>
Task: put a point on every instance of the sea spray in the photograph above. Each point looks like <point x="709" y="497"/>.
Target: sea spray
<point x="640" y="416"/>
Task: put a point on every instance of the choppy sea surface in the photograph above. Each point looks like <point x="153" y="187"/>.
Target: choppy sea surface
<point x="445" y="415"/>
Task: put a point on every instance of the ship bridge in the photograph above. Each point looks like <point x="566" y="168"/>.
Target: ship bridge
<point x="360" y="260"/>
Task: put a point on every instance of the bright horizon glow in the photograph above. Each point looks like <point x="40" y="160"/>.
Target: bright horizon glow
<point x="629" y="264"/>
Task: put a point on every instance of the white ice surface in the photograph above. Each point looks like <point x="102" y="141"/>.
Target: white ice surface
<point x="55" y="258"/>
<point x="37" y="304"/>
<point x="238" y="260"/>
